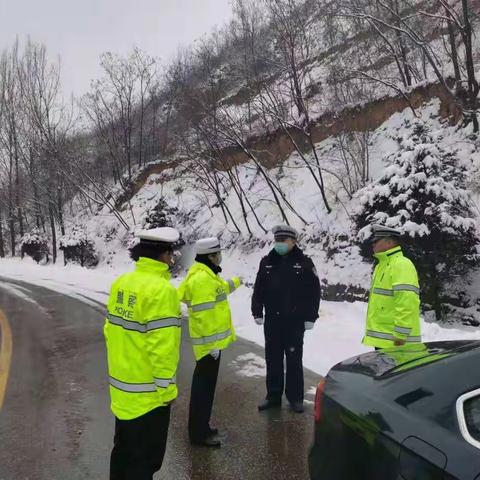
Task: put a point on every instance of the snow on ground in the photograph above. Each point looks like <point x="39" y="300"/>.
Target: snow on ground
<point x="89" y="286"/>
<point x="337" y="334"/>
<point x="250" y="365"/>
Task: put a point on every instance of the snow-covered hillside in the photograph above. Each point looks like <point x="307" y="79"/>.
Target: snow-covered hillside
<point x="195" y="214"/>
<point x="327" y="238"/>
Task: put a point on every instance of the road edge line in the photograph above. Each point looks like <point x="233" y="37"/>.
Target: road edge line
<point x="6" y="347"/>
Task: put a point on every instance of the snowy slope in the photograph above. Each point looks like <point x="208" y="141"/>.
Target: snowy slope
<point x="198" y="214"/>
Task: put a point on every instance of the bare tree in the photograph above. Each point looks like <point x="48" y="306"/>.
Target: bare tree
<point x="10" y="141"/>
<point x="51" y="122"/>
<point x="349" y="161"/>
<point x="118" y="107"/>
<point x="145" y="68"/>
<point x="291" y="20"/>
<point x="231" y="132"/>
<point x="409" y="22"/>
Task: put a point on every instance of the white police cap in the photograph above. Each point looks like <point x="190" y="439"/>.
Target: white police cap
<point x="285" y="231"/>
<point x="160" y="235"/>
<point x="381" y="231"/>
<point x="205" y="246"/>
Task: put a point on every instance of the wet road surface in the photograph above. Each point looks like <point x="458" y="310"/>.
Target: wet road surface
<point x="56" y="423"/>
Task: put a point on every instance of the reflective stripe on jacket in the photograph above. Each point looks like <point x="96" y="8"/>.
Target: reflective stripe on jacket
<point x="142" y="332"/>
<point x="394" y="303"/>
<point x="412" y="355"/>
<point x="209" y="317"/>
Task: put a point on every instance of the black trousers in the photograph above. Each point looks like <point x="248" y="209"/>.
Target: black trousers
<point x="282" y="341"/>
<point x="204" y="383"/>
<point x="139" y="445"/>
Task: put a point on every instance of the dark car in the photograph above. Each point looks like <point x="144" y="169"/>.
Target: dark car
<point x="409" y="413"/>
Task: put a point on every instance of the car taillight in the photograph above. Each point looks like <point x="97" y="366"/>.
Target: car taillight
<point x="318" y="400"/>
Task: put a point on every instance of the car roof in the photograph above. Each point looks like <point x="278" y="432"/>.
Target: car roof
<point x="392" y="361"/>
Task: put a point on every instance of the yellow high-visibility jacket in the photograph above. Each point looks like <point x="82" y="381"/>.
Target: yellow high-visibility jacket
<point x="394" y="303"/>
<point x="209" y="317"/>
<point x="412" y="355"/>
<point x="142" y="333"/>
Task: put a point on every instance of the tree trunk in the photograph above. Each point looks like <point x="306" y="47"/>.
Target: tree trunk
<point x="11" y="224"/>
<point x="403" y="49"/>
<point x="167" y="132"/>
<point x="218" y="195"/>
<point x="17" y="187"/>
<point x="37" y="208"/>
<point x="54" y="234"/>
<point x="2" y="244"/>
<point x="60" y="212"/>
<point x="275" y="196"/>
<point x="142" y="114"/>
<point x="320" y="174"/>
<point x="240" y="199"/>
<point x="473" y="86"/>
<point x="453" y="48"/>
<point x="252" y="209"/>
<point x="436" y="301"/>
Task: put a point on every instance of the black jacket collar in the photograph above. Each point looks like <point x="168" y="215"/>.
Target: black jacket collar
<point x="206" y="261"/>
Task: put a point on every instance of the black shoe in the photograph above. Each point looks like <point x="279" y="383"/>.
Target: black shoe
<point x="212" y="431"/>
<point x="207" y="442"/>
<point x="267" y="404"/>
<point x="297" y="407"/>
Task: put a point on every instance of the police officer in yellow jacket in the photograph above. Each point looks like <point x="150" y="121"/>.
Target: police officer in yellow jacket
<point x="211" y="331"/>
<point x="393" y="316"/>
<point x="142" y="333"/>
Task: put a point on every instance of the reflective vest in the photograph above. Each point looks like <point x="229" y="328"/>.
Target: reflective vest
<point x="394" y="303"/>
<point x="142" y="332"/>
<point x="412" y="355"/>
<point x="209" y="318"/>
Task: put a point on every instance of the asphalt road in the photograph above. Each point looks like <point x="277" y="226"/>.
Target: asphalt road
<point x="56" y="423"/>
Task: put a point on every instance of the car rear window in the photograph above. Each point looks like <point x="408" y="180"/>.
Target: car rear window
<point x="471" y="409"/>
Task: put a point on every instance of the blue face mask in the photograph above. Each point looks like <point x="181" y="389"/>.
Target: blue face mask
<point x="281" y="248"/>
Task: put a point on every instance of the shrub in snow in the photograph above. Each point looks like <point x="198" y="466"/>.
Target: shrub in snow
<point x="35" y="245"/>
<point x="78" y="248"/>
<point x="423" y="194"/>
<point x="159" y="216"/>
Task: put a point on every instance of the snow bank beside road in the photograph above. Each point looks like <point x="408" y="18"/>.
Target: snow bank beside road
<point x="337" y="334"/>
<point x="72" y="280"/>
